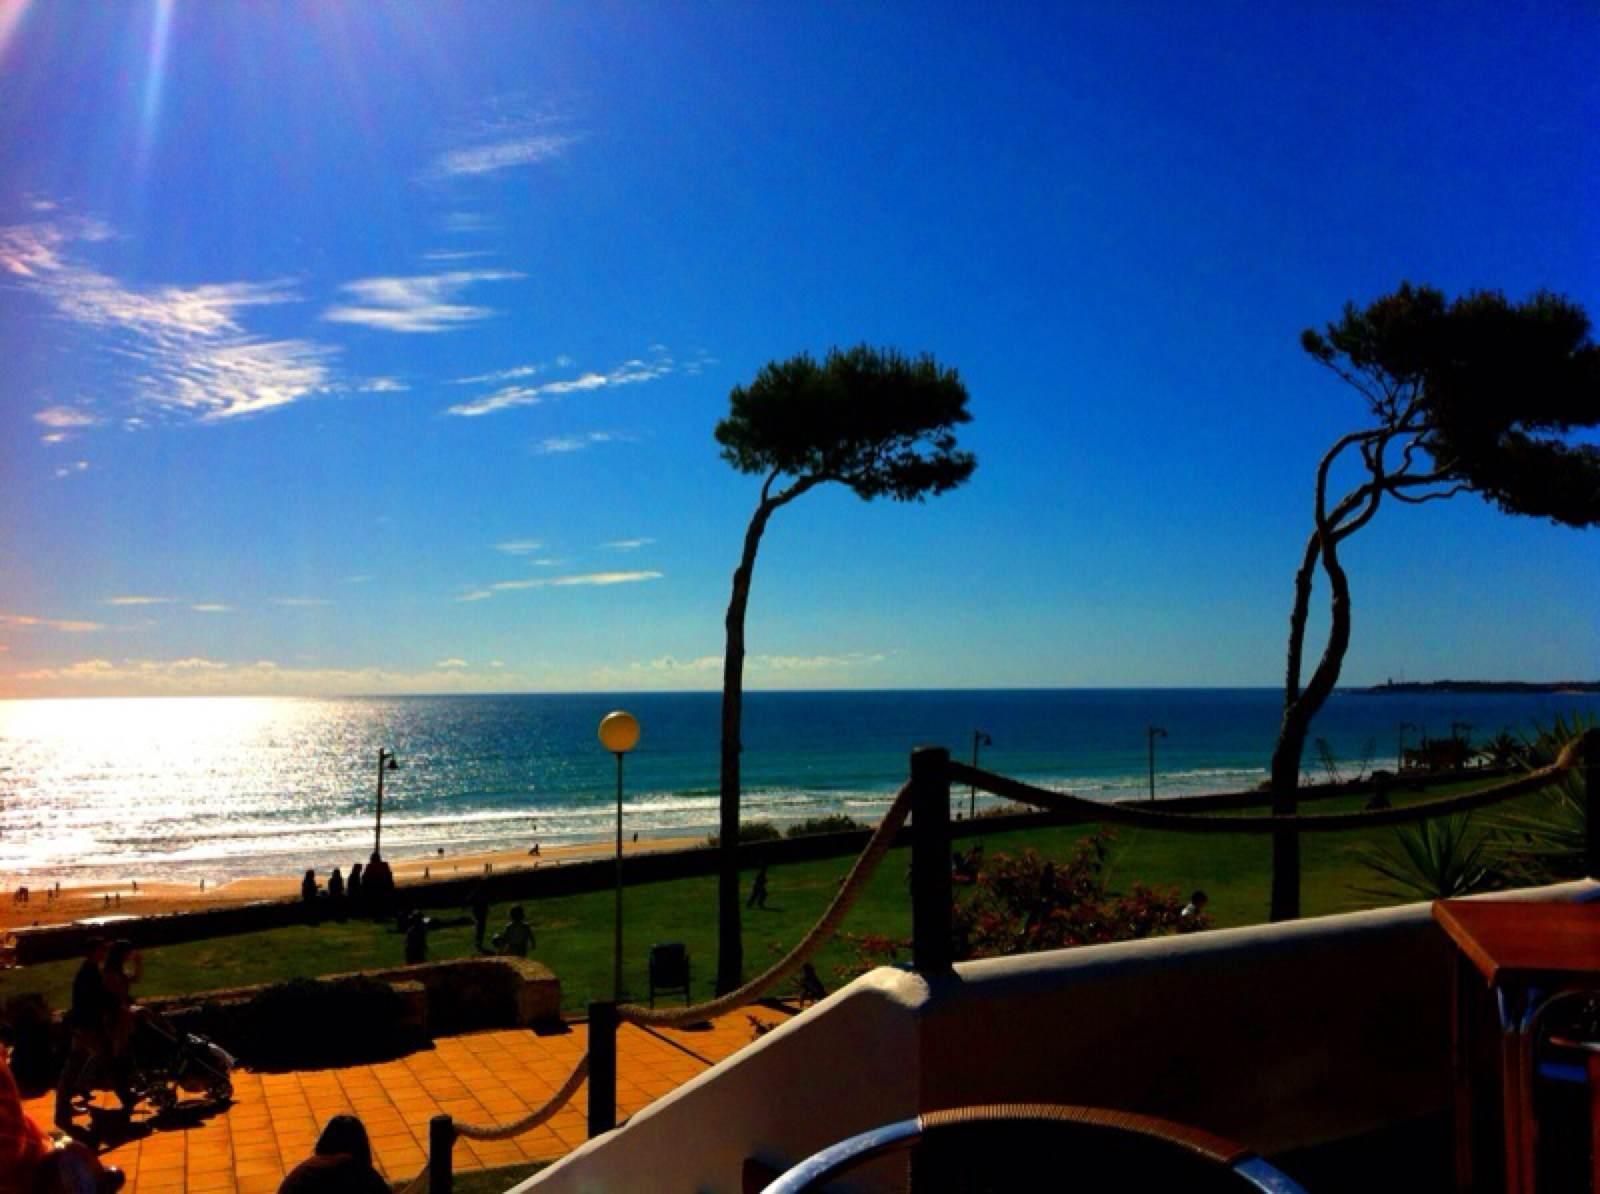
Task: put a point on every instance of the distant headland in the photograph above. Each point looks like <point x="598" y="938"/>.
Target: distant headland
<point x="1392" y="687"/>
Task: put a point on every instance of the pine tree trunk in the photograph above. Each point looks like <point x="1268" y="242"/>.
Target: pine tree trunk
<point x="1299" y="709"/>
<point x="730" y="943"/>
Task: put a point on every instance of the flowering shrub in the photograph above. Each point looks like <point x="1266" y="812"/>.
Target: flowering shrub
<point x="1024" y="903"/>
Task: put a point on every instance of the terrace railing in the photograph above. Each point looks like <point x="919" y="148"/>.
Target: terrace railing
<point x="925" y="798"/>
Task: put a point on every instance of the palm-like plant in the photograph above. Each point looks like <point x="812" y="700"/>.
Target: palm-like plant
<point x="1546" y="838"/>
<point x="1432" y="860"/>
<point x="1505" y="749"/>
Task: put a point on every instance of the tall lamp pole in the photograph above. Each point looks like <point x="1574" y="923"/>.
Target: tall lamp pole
<point x="386" y="762"/>
<point x="979" y="738"/>
<point x="1151" y="733"/>
<point x="619" y="733"/>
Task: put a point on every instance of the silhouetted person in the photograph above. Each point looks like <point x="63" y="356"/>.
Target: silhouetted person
<point x="416" y="939"/>
<point x="353" y="890"/>
<point x="308" y="888"/>
<point x="478" y="904"/>
<point x="758" y="891"/>
<point x="379" y="885"/>
<point x="341" y="1163"/>
<point x="517" y="937"/>
<point x="123" y="967"/>
<point x="336" y="894"/>
<point x="86" y="1021"/>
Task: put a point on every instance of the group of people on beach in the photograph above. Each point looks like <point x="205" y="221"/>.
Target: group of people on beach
<point x="364" y="893"/>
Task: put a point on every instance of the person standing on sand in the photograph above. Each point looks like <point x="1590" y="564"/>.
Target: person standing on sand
<point x="354" y="890"/>
<point x="478" y="904"/>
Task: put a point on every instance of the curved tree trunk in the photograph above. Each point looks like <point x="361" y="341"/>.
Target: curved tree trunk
<point x="730" y="943"/>
<point x="1297" y="715"/>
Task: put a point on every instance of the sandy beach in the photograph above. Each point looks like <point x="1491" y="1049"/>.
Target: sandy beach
<point x="103" y="900"/>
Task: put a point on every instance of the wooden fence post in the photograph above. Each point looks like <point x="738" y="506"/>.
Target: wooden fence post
<point x="602" y="1068"/>
<point x="930" y="860"/>
<point x="441" y="1147"/>
<point x="1589" y="770"/>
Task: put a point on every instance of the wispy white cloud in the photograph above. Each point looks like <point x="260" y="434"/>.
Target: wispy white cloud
<point x="519" y="547"/>
<point x="193" y="356"/>
<point x="65" y="625"/>
<point x="382" y="385"/>
<point x="72" y="470"/>
<point x="759" y="663"/>
<point x="581" y="579"/>
<point x="627" y="544"/>
<point x="65" y="417"/>
<point x="628" y="373"/>
<point x="557" y="445"/>
<point x="138" y="600"/>
<point x="301" y="602"/>
<point x="452" y="663"/>
<point x="263" y="677"/>
<point x="503" y="155"/>
<point x="212" y="607"/>
<point x="468" y="221"/>
<point x="513" y="374"/>
<point x="415" y="304"/>
<point x="359" y="579"/>
<point x="671" y="663"/>
<point x="241" y="378"/>
<point x="456" y="254"/>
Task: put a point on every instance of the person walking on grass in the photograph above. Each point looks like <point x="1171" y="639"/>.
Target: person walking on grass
<point x="517" y="937"/>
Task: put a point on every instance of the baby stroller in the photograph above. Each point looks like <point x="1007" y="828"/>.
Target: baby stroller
<point x="166" y="1061"/>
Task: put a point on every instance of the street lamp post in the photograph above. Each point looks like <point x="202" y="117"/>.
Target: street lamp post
<point x="979" y="738"/>
<point x="386" y="762"/>
<point x="619" y="733"/>
<point x="1151" y="733"/>
<point x="1400" y="746"/>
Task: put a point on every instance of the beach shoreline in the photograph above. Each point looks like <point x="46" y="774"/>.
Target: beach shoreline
<point x="105" y="902"/>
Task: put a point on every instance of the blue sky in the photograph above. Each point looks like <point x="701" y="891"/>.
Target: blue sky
<point x="363" y="348"/>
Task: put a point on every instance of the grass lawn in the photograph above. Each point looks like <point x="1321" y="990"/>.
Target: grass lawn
<point x="574" y="932"/>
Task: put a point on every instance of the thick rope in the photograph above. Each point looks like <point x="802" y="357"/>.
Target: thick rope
<point x="1141" y="818"/>
<point x="535" y="1117"/>
<point x="877" y="846"/>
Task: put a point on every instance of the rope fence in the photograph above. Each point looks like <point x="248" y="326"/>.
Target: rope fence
<point x="1141" y="818"/>
<point x="926" y="796"/>
<point x="855" y="882"/>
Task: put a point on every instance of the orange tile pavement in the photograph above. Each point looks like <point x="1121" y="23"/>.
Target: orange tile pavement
<point x="485" y="1078"/>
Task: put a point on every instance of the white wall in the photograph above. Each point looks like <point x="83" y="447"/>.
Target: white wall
<point x="1277" y="1036"/>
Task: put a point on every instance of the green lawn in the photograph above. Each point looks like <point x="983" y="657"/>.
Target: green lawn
<point x="574" y="932"/>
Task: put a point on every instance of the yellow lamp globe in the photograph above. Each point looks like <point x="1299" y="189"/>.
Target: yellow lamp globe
<point x="619" y="732"/>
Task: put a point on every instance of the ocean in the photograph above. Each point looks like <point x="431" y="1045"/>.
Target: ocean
<point x="224" y="787"/>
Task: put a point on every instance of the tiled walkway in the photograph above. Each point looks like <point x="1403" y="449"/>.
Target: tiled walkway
<point x="487" y="1077"/>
